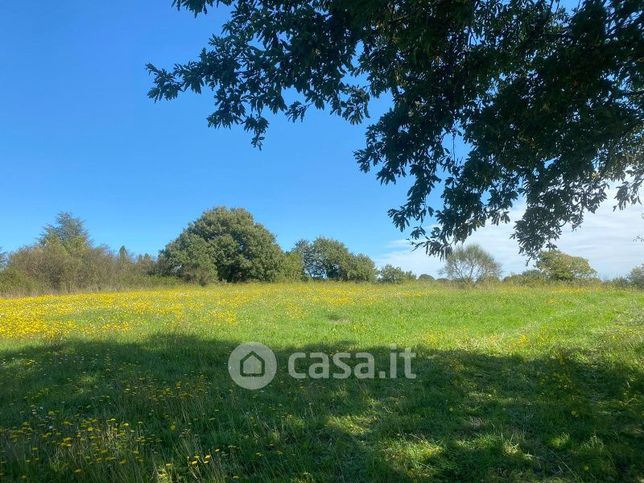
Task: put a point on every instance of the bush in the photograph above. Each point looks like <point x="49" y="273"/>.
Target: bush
<point x="619" y="282"/>
<point x="13" y="282"/>
<point x="528" y="277"/>
<point x="425" y="277"/>
<point x="64" y="259"/>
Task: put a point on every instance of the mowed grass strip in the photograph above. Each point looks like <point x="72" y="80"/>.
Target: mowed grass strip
<point x="520" y="384"/>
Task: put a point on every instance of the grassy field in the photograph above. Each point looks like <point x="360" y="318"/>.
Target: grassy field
<point x="512" y="384"/>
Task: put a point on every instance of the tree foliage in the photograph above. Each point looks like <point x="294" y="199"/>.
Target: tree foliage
<point x="556" y="265"/>
<point x="65" y="259"/>
<point x="393" y="274"/>
<point x="328" y="259"/>
<point x="59" y="259"/>
<point x="361" y="269"/>
<point x="471" y="264"/>
<point x="292" y="267"/>
<point x="68" y="231"/>
<point x="191" y="258"/>
<point x="527" y="277"/>
<point x="324" y="258"/>
<point x="224" y="244"/>
<point x="13" y="282"/>
<point x="636" y="277"/>
<point x="549" y="101"/>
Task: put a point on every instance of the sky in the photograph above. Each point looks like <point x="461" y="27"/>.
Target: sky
<point x="78" y="134"/>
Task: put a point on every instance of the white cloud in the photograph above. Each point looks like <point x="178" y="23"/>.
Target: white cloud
<point x="606" y="239"/>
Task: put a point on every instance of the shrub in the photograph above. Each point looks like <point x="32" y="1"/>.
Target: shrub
<point x="13" y="282"/>
<point x="528" y="277"/>
<point x="64" y="259"/>
<point x="619" y="282"/>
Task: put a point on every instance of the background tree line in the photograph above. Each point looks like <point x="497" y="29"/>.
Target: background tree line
<point x="228" y="245"/>
<point x="64" y="259"/>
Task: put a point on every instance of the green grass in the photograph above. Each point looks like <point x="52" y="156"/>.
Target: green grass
<point x="519" y="384"/>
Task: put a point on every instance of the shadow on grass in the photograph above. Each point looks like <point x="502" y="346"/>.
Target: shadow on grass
<point x="166" y="409"/>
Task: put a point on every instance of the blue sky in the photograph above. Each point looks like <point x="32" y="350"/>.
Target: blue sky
<point x="77" y="133"/>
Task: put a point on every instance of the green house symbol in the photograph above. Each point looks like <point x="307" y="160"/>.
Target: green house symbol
<point x="252" y="365"/>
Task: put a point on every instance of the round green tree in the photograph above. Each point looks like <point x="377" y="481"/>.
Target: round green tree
<point x="224" y="244"/>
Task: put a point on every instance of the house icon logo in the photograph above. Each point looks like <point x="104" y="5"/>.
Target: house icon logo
<point x="252" y="365"/>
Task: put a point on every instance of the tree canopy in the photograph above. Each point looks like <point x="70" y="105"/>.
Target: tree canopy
<point x="636" y="276"/>
<point x="392" y="274"/>
<point x="224" y="244"/>
<point x="557" y="265"/>
<point x="328" y="259"/>
<point x="548" y="101"/>
<point x="471" y="264"/>
<point x="65" y="259"/>
<point x="68" y="231"/>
